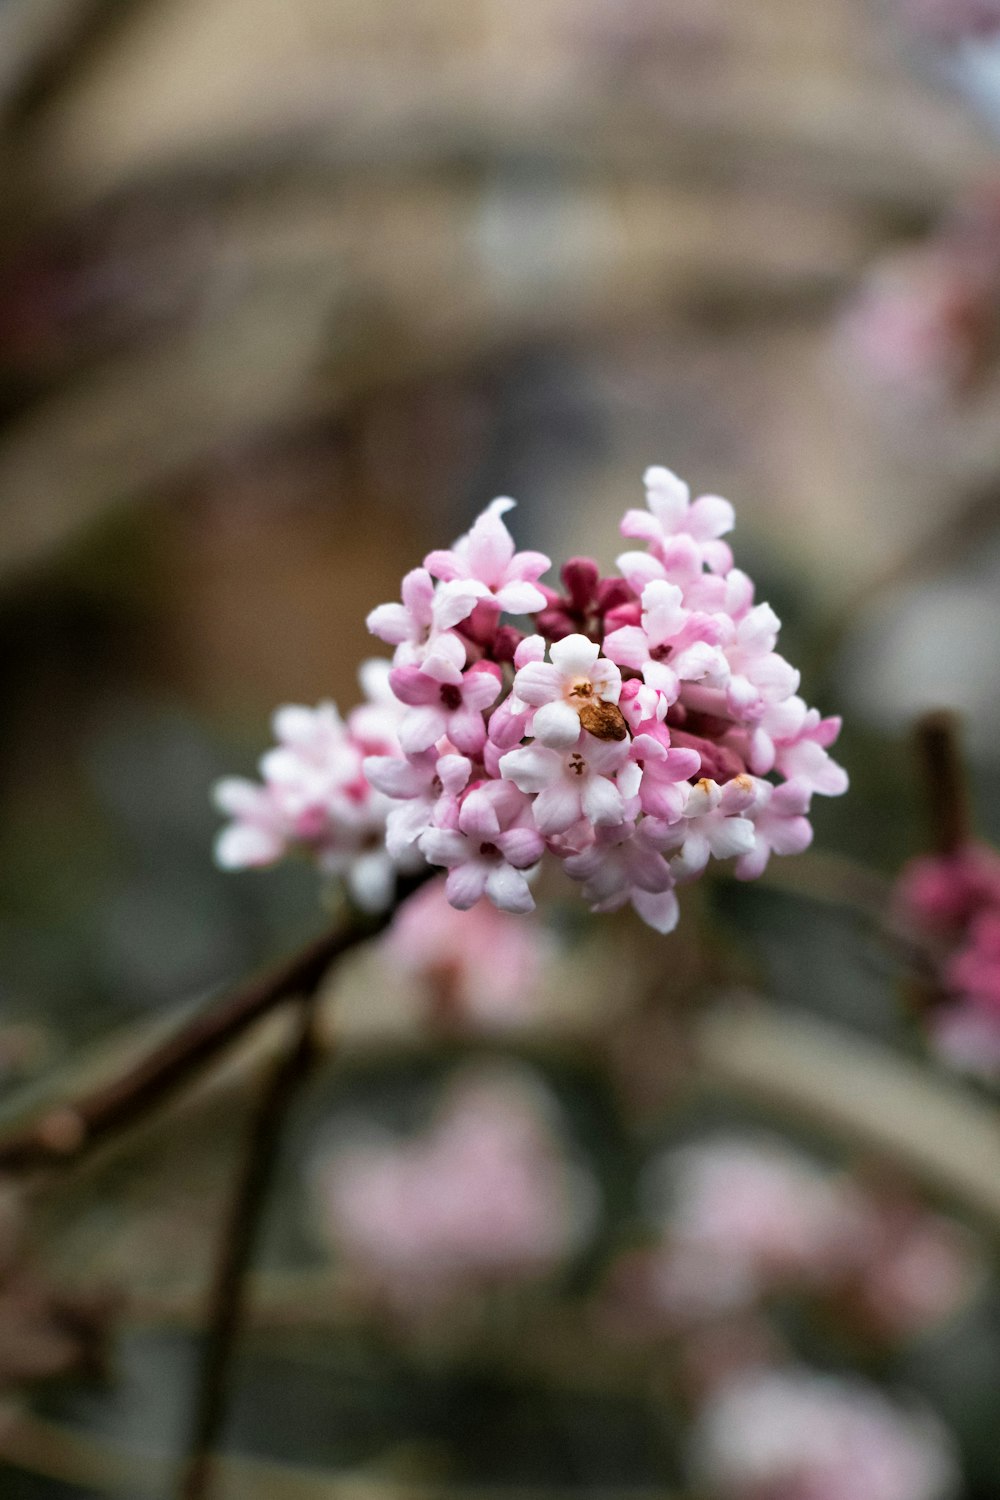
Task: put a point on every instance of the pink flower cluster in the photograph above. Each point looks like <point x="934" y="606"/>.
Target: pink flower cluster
<point x="645" y="724"/>
<point x="791" y="1434"/>
<point x="953" y="901"/>
<point x="314" y="798"/>
<point x="750" y="1218"/>
<point x="486" y="1195"/>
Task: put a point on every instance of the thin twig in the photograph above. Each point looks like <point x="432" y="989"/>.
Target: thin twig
<point x="229" y="1290"/>
<point x="69" y="1131"/>
<point x="945" y="783"/>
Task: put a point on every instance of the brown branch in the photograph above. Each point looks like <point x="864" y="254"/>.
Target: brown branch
<point x="229" y="1292"/>
<point x="944" y="781"/>
<point x="67" y="1132"/>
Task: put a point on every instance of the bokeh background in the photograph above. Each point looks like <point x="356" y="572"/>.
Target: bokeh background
<point x="289" y="290"/>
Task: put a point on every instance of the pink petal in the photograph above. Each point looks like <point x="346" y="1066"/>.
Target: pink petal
<point x="418" y="595"/>
<point x="628" y="646"/>
<point x="455" y="602"/>
<point x="391" y="623"/>
<point x="556" y="807"/>
<point x="602" y="801"/>
<point x="478" y="817"/>
<point x="538" y="682"/>
<point x="421" y="727"/>
<point x="466" y="884"/>
<point x="521" y="847"/>
<point x="443" y="846"/>
<point x="660" y="912"/>
<point x="444" y="659"/>
<point x="397" y="777"/>
<point x="666" y="495"/>
<point x="710" y="517"/>
<point x="532" y="769"/>
<point x="446" y="565"/>
<point x="481" y="686"/>
<point x="412" y="686"/>
<point x="574" y="655"/>
<point x="243" y="846"/>
<point x="466" y="730"/>
<point x="520" y="598"/>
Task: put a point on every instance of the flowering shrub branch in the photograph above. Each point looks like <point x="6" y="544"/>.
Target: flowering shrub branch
<point x="641" y="726"/>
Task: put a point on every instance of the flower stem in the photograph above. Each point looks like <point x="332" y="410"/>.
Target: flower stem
<point x="228" y="1296"/>
<point x="64" y="1134"/>
<point x="944" y="779"/>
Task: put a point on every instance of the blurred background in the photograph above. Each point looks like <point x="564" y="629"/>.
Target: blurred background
<point x="289" y="290"/>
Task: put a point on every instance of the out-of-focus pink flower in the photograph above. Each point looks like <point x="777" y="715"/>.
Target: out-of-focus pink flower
<point x="742" y="1217"/>
<point x="314" y="797"/>
<point x="926" y="321"/>
<point x="486" y="1195"/>
<point x="791" y="1434"/>
<point x="955" y="900"/>
<point x="904" y="1267"/>
<point x="483" y="966"/>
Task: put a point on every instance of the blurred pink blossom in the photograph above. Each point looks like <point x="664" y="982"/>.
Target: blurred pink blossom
<point x="485" y="1195"/>
<point x="483" y="966"/>
<point x="791" y="1434"/>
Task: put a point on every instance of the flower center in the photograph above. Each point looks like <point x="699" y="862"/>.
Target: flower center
<point x="451" y="696"/>
<point x="489" y="851"/>
<point x="577" y="764"/>
<point x="582" y="688"/>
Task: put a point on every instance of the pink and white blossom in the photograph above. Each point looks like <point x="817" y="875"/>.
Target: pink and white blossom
<point x="670" y="512"/>
<point x="713" y="825"/>
<point x="658" y="729"/>
<point x="570" y="785"/>
<point x="486" y="556"/>
<point x="427" y="611"/>
<point x="495" y="842"/>
<point x="448" y="705"/>
<point x="575" y="678"/>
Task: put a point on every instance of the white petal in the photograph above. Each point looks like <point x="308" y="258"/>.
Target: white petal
<point x="242" y="847"/>
<point x="574" y="655"/>
<point x="509" y="890"/>
<point x="556" y="725"/>
<point x="532" y="768"/>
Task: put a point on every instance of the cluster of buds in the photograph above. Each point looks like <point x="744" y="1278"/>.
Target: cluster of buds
<point x="643" y="725"/>
<point x="951" y="904"/>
